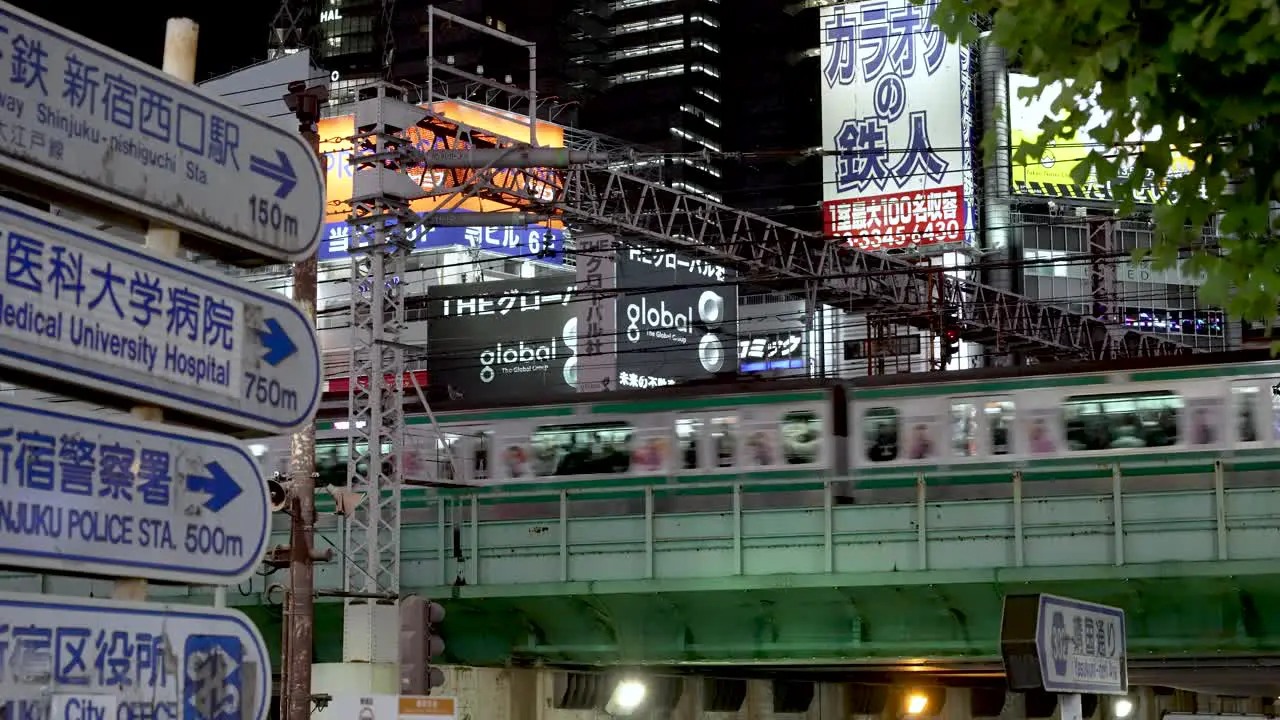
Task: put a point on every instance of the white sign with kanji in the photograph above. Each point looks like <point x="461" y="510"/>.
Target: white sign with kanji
<point x="897" y="118"/>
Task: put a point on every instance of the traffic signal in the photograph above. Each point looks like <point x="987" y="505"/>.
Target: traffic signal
<point x="280" y="491"/>
<point x="420" y="643"/>
<point x="950" y="345"/>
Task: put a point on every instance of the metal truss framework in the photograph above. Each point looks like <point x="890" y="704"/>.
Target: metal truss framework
<point x="772" y="254"/>
<point x="371" y="542"/>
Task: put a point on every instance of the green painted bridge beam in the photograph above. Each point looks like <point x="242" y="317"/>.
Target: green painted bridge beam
<point x="494" y="626"/>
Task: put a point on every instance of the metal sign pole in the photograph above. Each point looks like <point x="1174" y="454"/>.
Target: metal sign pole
<point x="181" y="36"/>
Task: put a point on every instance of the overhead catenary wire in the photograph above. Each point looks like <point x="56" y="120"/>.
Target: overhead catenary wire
<point x="757" y="154"/>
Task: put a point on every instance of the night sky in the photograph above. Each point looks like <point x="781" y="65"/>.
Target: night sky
<point x="233" y="33"/>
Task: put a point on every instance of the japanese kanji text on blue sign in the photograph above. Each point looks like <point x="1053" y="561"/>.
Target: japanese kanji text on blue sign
<point x="1081" y="647"/>
<point x="119" y="497"/>
<point x="91" y="310"/>
<point x="82" y="117"/>
<point x="126" y="661"/>
<point x="896" y="105"/>
<point x="535" y="242"/>
<point x="115" y="313"/>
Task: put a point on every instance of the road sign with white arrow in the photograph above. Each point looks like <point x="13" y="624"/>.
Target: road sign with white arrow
<point x="90" y="659"/>
<point x="81" y="117"/>
<point x="115" y="496"/>
<point x="104" y="316"/>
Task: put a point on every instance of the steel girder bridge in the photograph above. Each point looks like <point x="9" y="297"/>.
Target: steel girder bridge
<point x="768" y="253"/>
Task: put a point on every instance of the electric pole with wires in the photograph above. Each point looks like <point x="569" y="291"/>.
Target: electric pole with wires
<point x="300" y="489"/>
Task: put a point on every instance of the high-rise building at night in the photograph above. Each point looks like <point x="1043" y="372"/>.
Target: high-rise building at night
<point x="682" y="77"/>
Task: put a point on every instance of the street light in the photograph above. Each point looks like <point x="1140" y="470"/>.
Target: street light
<point x="1122" y="708"/>
<point x="627" y="696"/>
<point x="917" y="703"/>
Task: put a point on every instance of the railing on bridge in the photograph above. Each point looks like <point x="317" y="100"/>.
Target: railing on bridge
<point x="743" y="531"/>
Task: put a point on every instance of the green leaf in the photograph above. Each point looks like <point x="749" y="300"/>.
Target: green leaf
<point x="1208" y="75"/>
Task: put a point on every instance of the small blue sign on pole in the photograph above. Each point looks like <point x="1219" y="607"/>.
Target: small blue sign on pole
<point x="81" y="117"/>
<point x="114" y="496"/>
<point x="1064" y="646"/>
<point x="102" y="660"/>
<point x="99" y="313"/>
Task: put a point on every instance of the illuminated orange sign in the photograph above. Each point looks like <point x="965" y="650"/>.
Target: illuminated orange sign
<point x="487" y="125"/>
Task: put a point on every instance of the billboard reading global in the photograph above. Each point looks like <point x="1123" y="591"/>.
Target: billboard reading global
<point x="487" y="124"/>
<point x="897" y="109"/>
<point x="500" y="341"/>
<point x="677" y="318"/>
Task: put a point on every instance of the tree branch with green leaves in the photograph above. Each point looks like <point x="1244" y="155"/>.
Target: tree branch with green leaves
<point x="1207" y="76"/>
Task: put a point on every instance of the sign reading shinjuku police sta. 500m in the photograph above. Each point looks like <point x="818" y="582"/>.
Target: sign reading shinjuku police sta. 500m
<point x="98" y="316"/>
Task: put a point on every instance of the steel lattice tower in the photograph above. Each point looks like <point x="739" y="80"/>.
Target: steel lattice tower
<point x="379" y="222"/>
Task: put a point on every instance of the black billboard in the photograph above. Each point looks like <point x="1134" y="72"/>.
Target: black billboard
<point x="772" y="351"/>
<point x="498" y="341"/>
<point x="677" y="318"/>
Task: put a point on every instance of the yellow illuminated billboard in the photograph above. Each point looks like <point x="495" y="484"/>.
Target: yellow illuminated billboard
<point x="487" y="126"/>
<point x="1050" y="174"/>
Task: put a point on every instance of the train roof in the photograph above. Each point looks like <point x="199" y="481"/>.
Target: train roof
<point x="757" y="384"/>
<point x="1064" y="368"/>
<point x="729" y="386"/>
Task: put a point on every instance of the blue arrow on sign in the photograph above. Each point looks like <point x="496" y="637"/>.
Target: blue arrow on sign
<point x="281" y="172"/>
<point x="276" y="341"/>
<point x="218" y="485"/>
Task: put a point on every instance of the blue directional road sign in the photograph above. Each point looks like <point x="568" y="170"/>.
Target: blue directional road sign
<point x="114" y="496"/>
<point x="81" y="117"/>
<point x="99" y="313"/>
<point x="107" y="660"/>
<point x="1081" y="647"/>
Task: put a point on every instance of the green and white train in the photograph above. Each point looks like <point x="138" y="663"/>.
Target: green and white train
<point x="1163" y="423"/>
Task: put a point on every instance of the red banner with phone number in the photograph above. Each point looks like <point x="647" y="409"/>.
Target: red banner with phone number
<point x="897" y="221"/>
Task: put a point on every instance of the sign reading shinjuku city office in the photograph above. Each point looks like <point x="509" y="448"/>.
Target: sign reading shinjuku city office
<point x="98" y="312"/>
<point x="81" y="117"/>
<point x="89" y="659"/>
<point x="114" y="496"/>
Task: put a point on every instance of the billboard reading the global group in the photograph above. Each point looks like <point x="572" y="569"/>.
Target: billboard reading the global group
<point x="500" y="341"/>
<point x="492" y="124"/>
<point x="897" y="110"/>
<point x="1049" y="175"/>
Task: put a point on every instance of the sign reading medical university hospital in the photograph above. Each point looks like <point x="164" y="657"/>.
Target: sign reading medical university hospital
<point x="897" y="111"/>
<point x="506" y="340"/>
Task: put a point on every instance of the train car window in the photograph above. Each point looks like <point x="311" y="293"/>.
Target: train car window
<point x="688" y="432"/>
<point x="880" y="430"/>
<point x="331" y="461"/>
<point x="480" y="455"/>
<point x="724" y="438"/>
<point x="964" y="429"/>
<point x="1275" y="414"/>
<point x="1116" y="422"/>
<point x="1245" y="400"/>
<point x="1000" y="418"/>
<point x="588" y="449"/>
<point x="447" y="456"/>
<point x="801" y="437"/>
